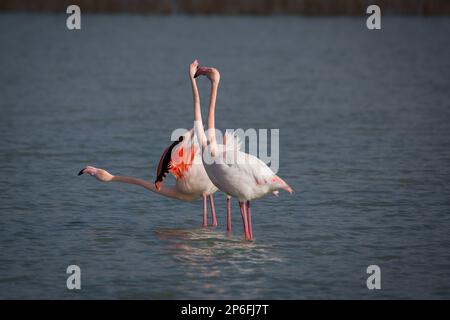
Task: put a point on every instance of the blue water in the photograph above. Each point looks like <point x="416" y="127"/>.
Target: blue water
<point x="364" y="119"/>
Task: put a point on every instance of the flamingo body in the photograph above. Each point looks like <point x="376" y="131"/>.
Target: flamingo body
<point x="247" y="178"/>
<point x="184" y="163"/>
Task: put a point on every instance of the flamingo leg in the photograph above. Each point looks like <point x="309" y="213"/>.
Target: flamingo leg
<point x="228" y="214"/>
<point x="244" y="220"/>
<point x="205" y="224"/>
<point x="213" y="210"/>
<point x="249" y="221"/>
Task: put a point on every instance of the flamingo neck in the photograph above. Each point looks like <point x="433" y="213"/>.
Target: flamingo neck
<point x="211" y="117"/>
<point x="198" y="122"/>
<point x="170" y="192"/>
<point x="136" y="181"/>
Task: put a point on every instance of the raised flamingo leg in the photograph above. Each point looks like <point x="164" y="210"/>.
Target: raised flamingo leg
<point x="213" y="211"/>
<point x="244" y="220"/>
<point x="249" y="221"/>
<point x="205" y="224"/>
<point x="228" y="214"/>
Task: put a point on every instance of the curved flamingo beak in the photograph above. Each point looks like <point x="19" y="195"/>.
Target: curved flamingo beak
<point x="202" y="71"/>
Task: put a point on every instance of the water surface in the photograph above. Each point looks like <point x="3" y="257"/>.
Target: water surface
<point x="364" y="120"/>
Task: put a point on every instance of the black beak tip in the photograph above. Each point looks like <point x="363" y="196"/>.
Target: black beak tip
<point x="81" y="172"/>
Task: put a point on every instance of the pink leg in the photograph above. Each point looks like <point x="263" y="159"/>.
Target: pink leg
<point x="205" y="224"/>
<point x="249" y="221"/>
<point x="213" y="210"/>
<point x="244" y="220"/>
<point x="228" y="214"/>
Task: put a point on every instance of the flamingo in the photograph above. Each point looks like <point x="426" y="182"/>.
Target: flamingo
<point x="192" y="182"/>
<point x="247" y="178"/>
<point x="182" y="159"/>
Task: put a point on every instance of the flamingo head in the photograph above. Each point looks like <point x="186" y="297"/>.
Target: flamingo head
<point x="164" y="164"/>
<point x="202" y="71"/>
<point x="279" y="183"/>
<point x="99" y="174"/>
<point x="211" y="73"/>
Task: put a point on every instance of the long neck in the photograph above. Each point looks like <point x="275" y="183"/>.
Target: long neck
<point x="211" y="117"/>
<point x="170" y="192"/>
<point x="198" y="122"/>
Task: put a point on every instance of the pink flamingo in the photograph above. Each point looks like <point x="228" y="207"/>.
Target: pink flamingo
<point x="247" y="178"/>
<point x="191" y="182"/>
<point x="182" y="159"/>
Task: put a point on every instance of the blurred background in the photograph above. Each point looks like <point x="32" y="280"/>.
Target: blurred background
<point x="233" y="7"/>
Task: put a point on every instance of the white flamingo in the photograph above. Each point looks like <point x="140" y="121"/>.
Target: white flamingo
<point x="247" y="177"/>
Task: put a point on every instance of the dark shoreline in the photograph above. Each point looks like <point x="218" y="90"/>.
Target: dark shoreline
<point x="235" y="7"/>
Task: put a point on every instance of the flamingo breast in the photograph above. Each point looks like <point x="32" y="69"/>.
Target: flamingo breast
<point x="195" y="181"/>
<point x="182" y="159"/>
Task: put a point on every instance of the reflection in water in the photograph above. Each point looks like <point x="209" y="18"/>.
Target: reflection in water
<point x="209" y="257"/>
